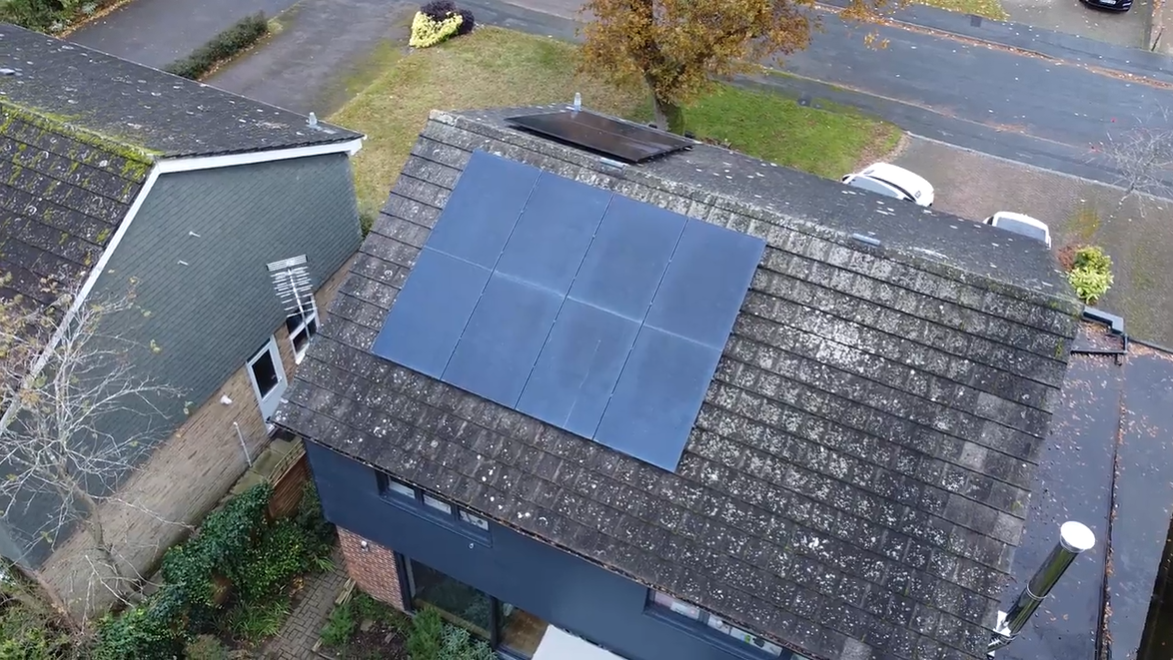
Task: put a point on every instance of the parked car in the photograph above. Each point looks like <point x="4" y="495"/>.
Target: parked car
<point x="893" y="181"/>
<point x="1113" y="5"/>
<point x="1021" y="224"/>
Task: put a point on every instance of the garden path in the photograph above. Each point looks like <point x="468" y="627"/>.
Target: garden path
<point x="297" y="637"/>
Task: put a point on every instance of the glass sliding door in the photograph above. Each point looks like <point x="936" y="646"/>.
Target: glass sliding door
<point x="461" y="604"/>
<point x="520" y="632"/>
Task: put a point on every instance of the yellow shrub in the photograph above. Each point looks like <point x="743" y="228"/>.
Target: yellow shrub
<point x="425" y="32"/>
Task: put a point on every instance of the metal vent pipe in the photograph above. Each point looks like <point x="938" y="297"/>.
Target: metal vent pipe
<point x="1074" y="538"/>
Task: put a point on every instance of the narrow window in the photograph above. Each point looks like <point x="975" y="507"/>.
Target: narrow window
<point x="302" y="328"/>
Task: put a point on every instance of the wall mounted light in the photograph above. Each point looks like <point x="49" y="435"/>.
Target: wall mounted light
<point x="365" y="546"/>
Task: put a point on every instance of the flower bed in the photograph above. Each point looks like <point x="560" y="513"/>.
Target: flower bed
<point x="437" y="22"/>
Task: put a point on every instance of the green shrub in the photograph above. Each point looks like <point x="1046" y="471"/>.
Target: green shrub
<point x="223" y="46"/>
<point x="139" y="632"/>
<point x="425" y="640"/>
<point x="206" y="647"/>
<point x="321" y="534"/>
<point x="278" y="557"/>
<point x="1091" y="273"/>
<point x="457" y="644"/>
<point x="26" y="634"/>
<point x="339" y="627"/>
<point x="47" y="15"/>
<point x="253" y="622"/>
<point x="158" y="627"/>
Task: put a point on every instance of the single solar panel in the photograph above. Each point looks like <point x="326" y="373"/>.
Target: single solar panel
<point x="554" y="232"/>
<point x="503" y="338"/>
<point x="706" y="282"/>
<point x="578" y="368"/>
<point x="429" y="314"/>
<point x="656" y="400"/>
<point x="626" y="262"/>
<point x="483" y="209"/>
<point x="611" y="137"/>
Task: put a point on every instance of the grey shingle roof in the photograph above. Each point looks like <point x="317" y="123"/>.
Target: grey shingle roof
<point x="857" y="478"/>
<point x="61" y="200"/>
<point x="141" y="107"/>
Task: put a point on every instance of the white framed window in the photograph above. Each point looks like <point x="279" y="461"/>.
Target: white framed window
<point x="391" y="487"/>
<point x="302" y="328"/>
<point x="438" y="504"/>
<point x="267" y="377"/>
<point x="717" y="624"/>
<point x="678" y="606"/>
<point x="474" y="520"/>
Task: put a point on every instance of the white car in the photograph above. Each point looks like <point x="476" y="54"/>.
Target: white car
<point x="893" y="181"/>
<point x="1021" y="224"/>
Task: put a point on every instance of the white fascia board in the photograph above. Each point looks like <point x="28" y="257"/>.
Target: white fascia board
<point x="167" y="166"/>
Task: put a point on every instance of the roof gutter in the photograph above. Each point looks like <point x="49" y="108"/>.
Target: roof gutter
<point x="168" y="166"/>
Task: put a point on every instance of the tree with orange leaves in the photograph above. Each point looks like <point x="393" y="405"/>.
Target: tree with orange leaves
<point x="678" y="47"/>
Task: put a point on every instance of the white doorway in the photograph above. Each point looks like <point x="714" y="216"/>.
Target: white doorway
<point x="268" y="378"/>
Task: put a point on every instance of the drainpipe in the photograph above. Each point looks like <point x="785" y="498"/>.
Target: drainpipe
<point x="1074" y="539"/>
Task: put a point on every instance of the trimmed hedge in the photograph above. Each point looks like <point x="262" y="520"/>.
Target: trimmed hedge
<point x="223" y="46"/>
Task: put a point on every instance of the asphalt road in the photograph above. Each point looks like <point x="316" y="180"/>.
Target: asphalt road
<point x="1043" y="111"/>
<point x="995" y="87"/>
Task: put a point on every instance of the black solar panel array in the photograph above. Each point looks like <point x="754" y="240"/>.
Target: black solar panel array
<point x="618" y="139"/>
<point x="585" y="309"/>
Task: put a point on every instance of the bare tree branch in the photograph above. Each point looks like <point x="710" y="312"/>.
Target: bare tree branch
<point x="69" y="390"/>
<point x="1143" y="156"/>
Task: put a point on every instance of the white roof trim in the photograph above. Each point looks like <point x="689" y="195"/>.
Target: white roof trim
<point x="167" y="166"/>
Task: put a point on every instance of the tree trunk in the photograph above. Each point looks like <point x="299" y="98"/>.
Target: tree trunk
<point x="669" y="115"/>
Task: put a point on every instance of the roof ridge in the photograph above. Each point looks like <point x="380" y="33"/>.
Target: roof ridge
<point x="917" y="258"/>
<point x="64" y="126"/>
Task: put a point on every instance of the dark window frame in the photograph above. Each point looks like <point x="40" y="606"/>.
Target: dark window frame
<point x="415" y="505"/>
<point x="701" y="630"/>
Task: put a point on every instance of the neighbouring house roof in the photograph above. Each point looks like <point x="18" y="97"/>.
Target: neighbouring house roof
<point x="79" y="132"/>
<point x="143" y="110"/>
<point x="1105" y="464"/>
<point x="857" y="478"/>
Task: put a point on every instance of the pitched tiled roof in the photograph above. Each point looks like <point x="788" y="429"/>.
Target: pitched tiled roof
<point x="140" y="107"/>
<point x="62" y="197"/>
<point x="857" y="477"/>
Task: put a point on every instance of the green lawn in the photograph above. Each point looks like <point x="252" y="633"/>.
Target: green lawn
<point x="987" y="8"/>
<point x="496" y="67"/>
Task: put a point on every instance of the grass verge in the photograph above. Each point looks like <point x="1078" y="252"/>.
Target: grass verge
<point x="495" y="67"/>
<point x="985" y="8"/>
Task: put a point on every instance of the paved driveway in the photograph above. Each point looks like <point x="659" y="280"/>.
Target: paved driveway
<point x="158" y="32"/>
<point x="1135" y="233"/>
<point x="322" y="56"/>
<point x="1130" y="28"/>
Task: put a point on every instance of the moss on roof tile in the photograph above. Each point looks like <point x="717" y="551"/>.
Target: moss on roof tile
<point x="138" y="159"/>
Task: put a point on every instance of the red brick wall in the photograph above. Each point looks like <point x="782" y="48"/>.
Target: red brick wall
<point x="372" y="568"/>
